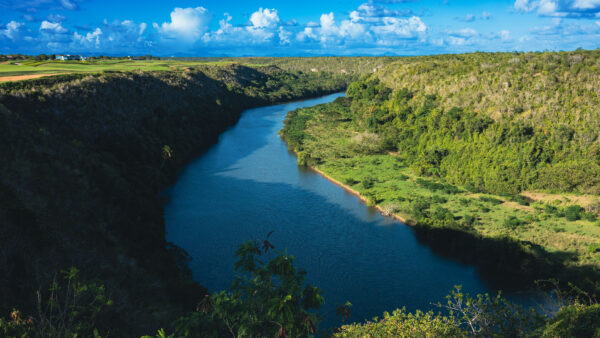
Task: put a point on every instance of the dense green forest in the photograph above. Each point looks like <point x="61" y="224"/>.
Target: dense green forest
<point x="84" y="159"/>
<point x="493" y="158"/>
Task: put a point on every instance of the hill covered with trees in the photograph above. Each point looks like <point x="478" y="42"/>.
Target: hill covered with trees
<point x="497" y="151"/>
<point x="84" y="159"/>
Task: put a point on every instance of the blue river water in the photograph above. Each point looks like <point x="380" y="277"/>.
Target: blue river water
<point x="249" y="184"/>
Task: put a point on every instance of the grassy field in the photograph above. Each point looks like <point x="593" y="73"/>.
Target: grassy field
<point x="356" y="66"/>
<point x="18" y="68"/>
<point x="386" y="180"/>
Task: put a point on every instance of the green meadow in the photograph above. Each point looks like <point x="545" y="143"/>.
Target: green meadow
<point x="31" y="67"/>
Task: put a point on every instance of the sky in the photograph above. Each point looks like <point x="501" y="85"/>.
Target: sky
<point x="295" y="28"/>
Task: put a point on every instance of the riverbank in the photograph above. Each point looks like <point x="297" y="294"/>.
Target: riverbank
<point x="495" y="233"/>
<point x="364" y="199"/>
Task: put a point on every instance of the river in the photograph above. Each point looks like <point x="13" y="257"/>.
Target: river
<point x="248" y="184"/>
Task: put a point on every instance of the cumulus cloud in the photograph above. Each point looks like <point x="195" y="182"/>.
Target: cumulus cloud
<point x="264" y="27"/>
<point x="52" y="28"/>
<point x="57" y="18"/>
<point x="187" y="24"/>
<point x="505" y="35"/>
<point x="12" y="30"/>
<point x="561" y="8"/>
<point x="264" y="18"/>
<point x="91" y="39"/>
<point x="368" y="25"/>
<point x="471" y="17"/>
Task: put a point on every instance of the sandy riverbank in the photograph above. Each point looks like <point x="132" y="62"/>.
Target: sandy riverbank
<point x="362" y="198"/>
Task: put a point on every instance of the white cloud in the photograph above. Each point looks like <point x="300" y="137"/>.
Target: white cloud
<point x="263" y="24"/>
<point x="90" y="39"/>
<point x="505" y="35"/>
<point x="367" y="25"/>
<point x="68" y="4"/>
<point x="524" y="5"/>
<point x="188" y="24"/>
<point x="394" y="28"/>
<point x="56" y="18"/>
<point x="12" y="30"/>
<point x="561" y="8"/>
<point x="264" y="18"/>
<point x="52" y="28"/>
<point x="284" y="36"/>
<point x="586" y="4"/>
<point x="143" y="26"/>
<point x="464" y="33"/>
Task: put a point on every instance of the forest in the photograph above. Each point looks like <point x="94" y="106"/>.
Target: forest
<point x="84" y="159"/>
<point x="492" y="158"/>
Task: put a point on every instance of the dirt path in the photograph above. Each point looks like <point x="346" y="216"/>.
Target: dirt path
<point x="23" y="77"/>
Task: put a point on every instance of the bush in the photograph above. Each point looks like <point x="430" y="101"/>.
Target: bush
<point x="573" y="212"/>
<point x="469" y="220"/>
<point x="588" y="216"/>
<point x="402" y="177"/>
<point x="350" y="181"/>
<point x="268" y="299"/>
<point x="550" y="209"/>
<point x="513" y="222"/>
<point x="574" y="321"/>
<point x="368" y="182"/>
<point x="491" y="200"/>
<point x="419" y="207"/>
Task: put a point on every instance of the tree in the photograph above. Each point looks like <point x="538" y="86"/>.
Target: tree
<point x="268" y="299"/>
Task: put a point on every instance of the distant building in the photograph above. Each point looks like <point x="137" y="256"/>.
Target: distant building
<point x="71" y="57"/>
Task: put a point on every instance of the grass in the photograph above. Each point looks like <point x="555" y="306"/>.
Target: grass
<point x="386" y="180"/>
<point x="17" y="68"/>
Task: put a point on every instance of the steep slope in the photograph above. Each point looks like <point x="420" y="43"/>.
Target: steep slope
<point x="84" y="158"/>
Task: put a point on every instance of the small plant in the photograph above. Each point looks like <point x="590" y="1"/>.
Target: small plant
<point x="573" y="213"/>
<point x="368" y="182"/>
<point x="513" y="222"/>
<point x="491" y="200"/>
<point x="350" y="181"/>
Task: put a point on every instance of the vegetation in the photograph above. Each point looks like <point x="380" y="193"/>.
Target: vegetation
<point x="271" y="299"/>
<point x="46" y="64"/>
<point x="84" y="158"/>
<point x="496" y="150"/>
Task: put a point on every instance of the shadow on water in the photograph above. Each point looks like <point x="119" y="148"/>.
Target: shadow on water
<point x="249" y="184"/>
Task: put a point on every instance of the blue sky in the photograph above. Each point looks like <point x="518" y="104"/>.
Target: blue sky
<point x="301" y="27"/>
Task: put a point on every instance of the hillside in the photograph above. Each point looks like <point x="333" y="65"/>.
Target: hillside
<point x="84" y="159"/>
<point x="493" y="157"/>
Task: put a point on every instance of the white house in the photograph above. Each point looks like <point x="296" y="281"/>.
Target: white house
<point x="71" y="57"/>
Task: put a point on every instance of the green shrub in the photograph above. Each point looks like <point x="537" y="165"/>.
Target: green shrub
<point x="491" y="200"/>
<point x="441" y="214"/>
<point x="513" y="222"/>
<point x="573" y="212"/>
<point x="368" y="182"/>
<point x="574" y="321"/>
<point x="588" y="216"/>
<point x="350" y="181"/>
<point x="268" y="299"/>
<point x="439" y="199"/>
<point x="419" y="207"/>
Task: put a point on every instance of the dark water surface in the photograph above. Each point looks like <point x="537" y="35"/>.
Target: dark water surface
<point x="249" y="184"/>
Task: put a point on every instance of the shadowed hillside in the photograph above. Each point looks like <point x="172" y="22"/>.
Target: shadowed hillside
<point x="84" y="158"/>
